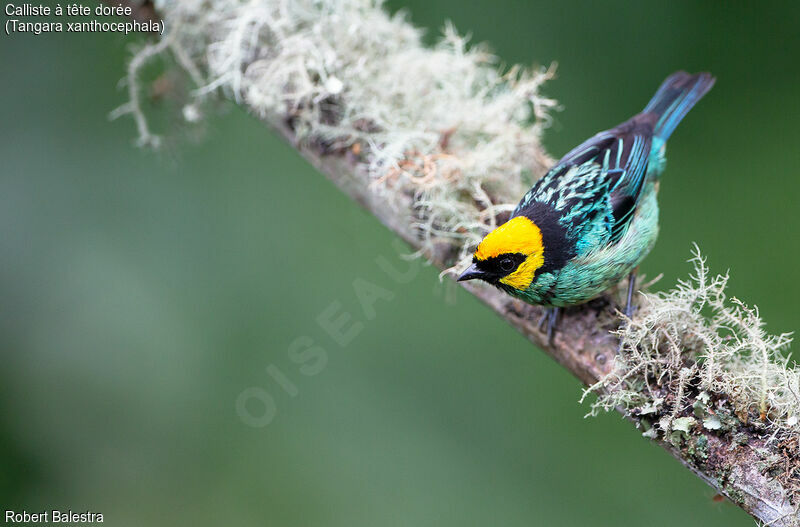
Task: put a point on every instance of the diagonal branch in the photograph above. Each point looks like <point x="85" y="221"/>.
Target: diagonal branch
<point x="437" y="143"/>
<point x="733" y="464"/>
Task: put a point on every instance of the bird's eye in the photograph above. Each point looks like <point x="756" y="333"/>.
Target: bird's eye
<point x="507" y="264"/>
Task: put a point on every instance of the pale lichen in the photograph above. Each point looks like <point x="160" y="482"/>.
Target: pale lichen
<point x="444" y="123"/>
<point x="448" y="128"/>
<point x="693" y="339"/>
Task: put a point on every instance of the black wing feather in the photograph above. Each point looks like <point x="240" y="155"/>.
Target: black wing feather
<point x="622" y="153"/>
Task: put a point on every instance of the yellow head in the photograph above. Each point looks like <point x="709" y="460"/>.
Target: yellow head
<point x="509" y="255"/>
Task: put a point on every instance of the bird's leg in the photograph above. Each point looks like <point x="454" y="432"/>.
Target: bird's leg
<point x="631" y="286"/>
<point x="552" y="323"/>
<point x="545" y="315"/>
<point x="551" y="316"/>
<point x="629" y="302"/>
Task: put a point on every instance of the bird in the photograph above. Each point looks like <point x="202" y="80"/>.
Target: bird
<point x="593" y="217"/>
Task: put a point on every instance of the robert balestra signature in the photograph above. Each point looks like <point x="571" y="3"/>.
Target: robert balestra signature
<point x="53" y="516"/>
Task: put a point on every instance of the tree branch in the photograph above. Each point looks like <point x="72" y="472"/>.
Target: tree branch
<point x="301" y="81"/>
<point x="734" y="464"/>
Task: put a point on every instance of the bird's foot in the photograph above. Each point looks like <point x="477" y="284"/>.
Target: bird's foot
<point x="551" y="315"/>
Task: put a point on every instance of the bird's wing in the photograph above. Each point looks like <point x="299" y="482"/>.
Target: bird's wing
<point x="605" y="172"/>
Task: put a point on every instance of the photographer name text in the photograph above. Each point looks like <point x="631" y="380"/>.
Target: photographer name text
<point x="53" y="516"/>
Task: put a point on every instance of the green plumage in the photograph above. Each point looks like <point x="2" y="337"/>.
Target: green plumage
<point x="597" y="208"/>
<point x="597" y="264"/>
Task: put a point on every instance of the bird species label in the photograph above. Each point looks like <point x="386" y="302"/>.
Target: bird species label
<point x="37" y="19"/>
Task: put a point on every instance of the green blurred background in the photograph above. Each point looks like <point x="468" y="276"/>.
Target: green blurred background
<point x="143" y="292"/>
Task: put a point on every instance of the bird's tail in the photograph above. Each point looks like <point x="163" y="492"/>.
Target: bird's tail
<point x="673" y="100"/>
